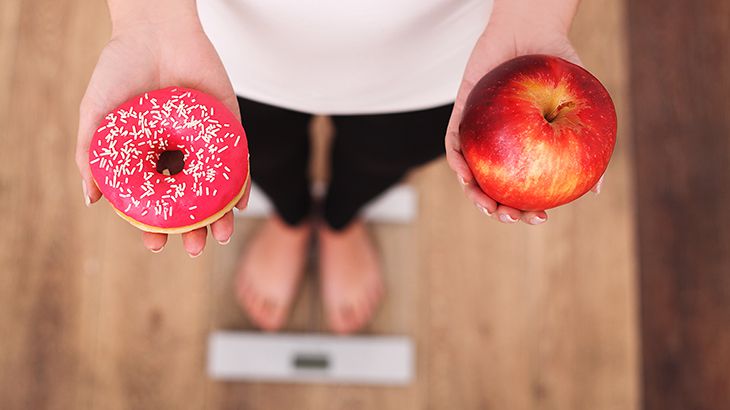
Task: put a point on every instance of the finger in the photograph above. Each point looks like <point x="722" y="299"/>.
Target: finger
<point x="457" y="163"/>
<point x="243" y="202"/>
<point x="534" y="217"/>
<point x="222" y="229"/>
<point x="572" y="56"/>
<point x="194" y="241"/>
<point x="231" y="102"/>
<point x="155" y="242"/>
<point x="88" y="120"/>
<point x="597" y="188"/>
<point x="508" y="215"/>
<point x="487" y="205"/>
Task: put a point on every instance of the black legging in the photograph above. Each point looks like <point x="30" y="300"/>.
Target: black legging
<point x="370" y="153"/>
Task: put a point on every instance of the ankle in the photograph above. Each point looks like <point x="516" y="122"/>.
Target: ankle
<point x="304" y="226"/>
<point x="325" y="230"/>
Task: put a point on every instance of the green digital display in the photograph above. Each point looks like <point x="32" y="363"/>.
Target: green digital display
<point x="313" y="361"/>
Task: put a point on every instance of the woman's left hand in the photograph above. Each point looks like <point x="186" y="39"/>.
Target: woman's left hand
<point x="501" y="41"/>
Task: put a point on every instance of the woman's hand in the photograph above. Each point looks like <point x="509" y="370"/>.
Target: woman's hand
<point x="513" y="31"/>
<point x="147" y="54"/>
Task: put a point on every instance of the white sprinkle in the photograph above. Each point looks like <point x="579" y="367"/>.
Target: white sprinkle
<point x="193" y="207"/>
<point x="223" y="149"/>
<point x="93" y="161"/>
<point x="238" y="137"/>
<point x="225" y="176"/>
<point x="192" y="217"/>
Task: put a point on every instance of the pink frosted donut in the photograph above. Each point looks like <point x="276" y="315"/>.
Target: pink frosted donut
<point x="170" y="160"/>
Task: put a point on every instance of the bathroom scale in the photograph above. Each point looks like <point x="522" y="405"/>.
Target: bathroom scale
<point x="319" y="358"/>
<point x="310" y="358"/>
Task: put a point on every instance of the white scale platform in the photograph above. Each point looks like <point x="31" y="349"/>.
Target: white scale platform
<point x="399" y="204"/>
<point x="254" y="356"/>
<point x="317" y="358"/>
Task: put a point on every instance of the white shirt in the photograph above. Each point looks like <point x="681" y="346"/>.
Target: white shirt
<point x="345" y="56"/>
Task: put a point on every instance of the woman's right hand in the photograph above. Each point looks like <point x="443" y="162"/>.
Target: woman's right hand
<point x="148" y="54"/>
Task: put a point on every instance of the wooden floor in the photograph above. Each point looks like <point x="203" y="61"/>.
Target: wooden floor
<point x="504" y="317"/>
<point x="681" y="95"/>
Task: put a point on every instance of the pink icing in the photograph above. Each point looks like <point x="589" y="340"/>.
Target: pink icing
<point x="124" y="151"/>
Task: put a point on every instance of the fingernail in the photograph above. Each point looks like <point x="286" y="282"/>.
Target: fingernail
<point x="225" y="242"/>
<point x="536" y="220"/>
<point x="462" y="181"/>
<point x="484" y="210"/>
<point x="196" y="255"/>
<point x="87" y="200"/>
<point x="598" y="186"/>
<point x="507" y="218"/>
<point x="157" y="250"/>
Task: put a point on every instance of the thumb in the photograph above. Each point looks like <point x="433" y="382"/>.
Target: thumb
<point x="88" y="120"/>
<point x="597" y="188"/>
<point x="231" y="102"/>
<point x="243" y="202"/>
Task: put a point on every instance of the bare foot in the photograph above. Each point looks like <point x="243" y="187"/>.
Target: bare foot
<point x="270" y="271"/>
<point x="351" y="281"/>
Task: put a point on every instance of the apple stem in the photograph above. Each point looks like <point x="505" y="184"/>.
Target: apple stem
<point x="554" y="114"/>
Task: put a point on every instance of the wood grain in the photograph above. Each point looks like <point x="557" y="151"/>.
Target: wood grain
<point x="504" y="317"/>
<point x="680" y="70"/>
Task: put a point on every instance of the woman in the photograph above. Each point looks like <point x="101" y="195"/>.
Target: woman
<point x="393" y="75"/>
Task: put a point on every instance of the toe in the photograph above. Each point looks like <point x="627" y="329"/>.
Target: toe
<point x="272" y="315"/>
<point x="341" y="318"/>
<point x="265" y="312"/>
<point x="365" y="312"/>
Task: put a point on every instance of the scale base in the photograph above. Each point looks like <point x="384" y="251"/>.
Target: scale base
<point x="253" y="356"/>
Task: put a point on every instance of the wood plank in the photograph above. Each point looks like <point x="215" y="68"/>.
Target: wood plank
<point x="510" y="317"/>
<point x="41" y="286"/>
<point x="538" y="317"/>
<point x="9" y="31"/>
<point x="680" y="82"/>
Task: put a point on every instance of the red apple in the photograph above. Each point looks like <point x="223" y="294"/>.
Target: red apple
<point x="537" y="132"/>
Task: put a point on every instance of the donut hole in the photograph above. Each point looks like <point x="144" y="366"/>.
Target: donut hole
<point x="170" y="162"/>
